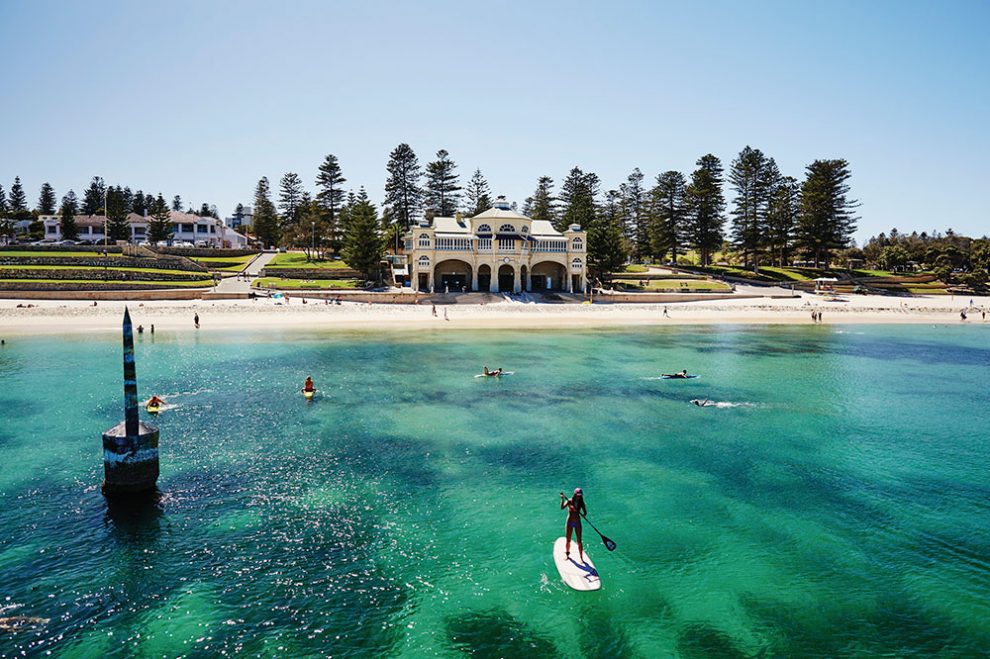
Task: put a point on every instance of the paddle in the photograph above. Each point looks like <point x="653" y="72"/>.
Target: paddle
<point x="609" y="544"/>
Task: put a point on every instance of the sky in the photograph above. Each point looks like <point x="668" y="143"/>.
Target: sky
<point x="202" y="98"/>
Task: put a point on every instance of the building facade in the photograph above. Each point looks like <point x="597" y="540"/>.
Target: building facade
<point x="187" y="227"/>
<point x="498" y="250"/>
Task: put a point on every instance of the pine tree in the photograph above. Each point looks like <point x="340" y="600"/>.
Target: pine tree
<point x="442" y="189"/>
<point x="364" y="243"/>
<point x="266" y="224"/>
<point x="606" y="247"/>
<point x="706" y="207"/>
<point x="330" y="181"/>
<point x="785" y="205"/>
<point x="634" y="211"/>
<point x="3" y="203"/>
<point x="140" y="205"/>
<point x="752" y="176"/>
<point x="403" y="196"/>
<point x="117" y="226"/>
<point x="290" y="197"/>
<point x="127" y="198"/>
<point x="667" y="216"/>
<point x="177" y="204"/>
<point x="577" y="198"/>
<point x="826" y="222"/>
<point x="160" y="228"/>
<point x="17" y="201"/>
<point x="477" y="194"/>
<point x="542" y="205"/>
<point x="47" y="200"/>
<point x="70" y="206"/>
<point x="94" y="197"/>
<point x="6" y="226"/>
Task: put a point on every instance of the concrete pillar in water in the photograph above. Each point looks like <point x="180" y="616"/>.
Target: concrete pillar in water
<point x="130" y="448"/>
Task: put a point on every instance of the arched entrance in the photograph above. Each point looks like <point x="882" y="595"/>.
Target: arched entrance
<point x="484" y="277"/>
<point x="549" y="276"/>
<point x="452" y="276"/>
<point x="506" y="277"/>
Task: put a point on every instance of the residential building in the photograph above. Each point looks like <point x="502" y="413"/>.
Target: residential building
<point x="188" y="227"/>
<point x="498" y="250"/>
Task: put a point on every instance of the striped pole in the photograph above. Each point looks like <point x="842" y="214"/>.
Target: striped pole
<point x="130" y="379"/>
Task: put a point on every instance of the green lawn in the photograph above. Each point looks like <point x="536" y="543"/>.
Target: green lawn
<point x="14" y="253"/>
<point x="101" y="283"/>
<point x="95" y="268"/>
<point x="675" y="285"/>
<point x="298" y="260"/>
<point x="232" y="260"/>
<point x="873" y="273"/>
<point x="281" y="282"/>
<point x="636" y="268"/>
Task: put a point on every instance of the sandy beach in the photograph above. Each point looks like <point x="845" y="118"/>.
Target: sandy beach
<point x="61" y="317"/>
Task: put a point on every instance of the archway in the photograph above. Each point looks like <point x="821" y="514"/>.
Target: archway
<point x="452" y="275"/>
<point x="506" y="278"/>
<point x="484" y="277"/>
<point x="549" y="276"/>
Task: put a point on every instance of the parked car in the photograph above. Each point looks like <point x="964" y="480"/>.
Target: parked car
<point x="67" y="242"/>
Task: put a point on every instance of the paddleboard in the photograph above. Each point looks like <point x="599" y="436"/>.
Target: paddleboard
<point x="309" y="394"/>
<point x="679" y="377"/>
<point x="578" y="574"/>
<point x="153" y="409"/>
<point x="482" y="375"/>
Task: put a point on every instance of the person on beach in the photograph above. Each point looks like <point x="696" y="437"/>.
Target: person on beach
<point x="445" y="314"/>
<point x="196" y="320"/>
<point x="152" y="329"/>
<point x="575" y="508"/>
<point x="434" y="310"/>
<point x="308" y="385"/>
<point x="665" y="314"/>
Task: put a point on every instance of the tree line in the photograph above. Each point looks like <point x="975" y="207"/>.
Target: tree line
<point x="774" y="217"/>
<point x="954" y="258"/>
<point x="114" y="202"/>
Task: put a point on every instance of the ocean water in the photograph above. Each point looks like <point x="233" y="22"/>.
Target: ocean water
<point x="835" y="502"/>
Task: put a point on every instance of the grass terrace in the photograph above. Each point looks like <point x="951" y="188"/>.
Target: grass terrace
<point x="17" y="254"/>
<point x="675" y="285"/>
<point x="9" y="269"/>
<point x="101" y="283"/>
<point x="223" y="263"/>
<point x="298" y="260"/>
<point x="282" y="283"/>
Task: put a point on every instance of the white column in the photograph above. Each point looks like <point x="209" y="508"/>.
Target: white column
<point x="516" y="285"/>
<point x="474" y="277"/>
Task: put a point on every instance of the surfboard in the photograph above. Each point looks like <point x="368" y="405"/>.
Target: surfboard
<point x="578" y="574"/>
<point x="678" y="377"/>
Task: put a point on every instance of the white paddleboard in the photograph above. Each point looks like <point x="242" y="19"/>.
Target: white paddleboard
<point x="578" y="574"/>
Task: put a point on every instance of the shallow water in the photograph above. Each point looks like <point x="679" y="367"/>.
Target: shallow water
<point x="835" y="502"/>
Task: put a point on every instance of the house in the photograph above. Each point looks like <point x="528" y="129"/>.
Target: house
<point x="498" y="250"/>
<point x="187" y="227"/>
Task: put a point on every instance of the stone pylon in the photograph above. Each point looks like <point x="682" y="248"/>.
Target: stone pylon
<point x="130" y="448"/>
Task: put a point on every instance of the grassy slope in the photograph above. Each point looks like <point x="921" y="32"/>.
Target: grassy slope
<point x="298" y="260"/>
<point x="13" y="253"/>
<point x="280" y="283"/>
<point x="100" y="283"/>
<point x="674" y="285"/>
<point x="6" y="269"/>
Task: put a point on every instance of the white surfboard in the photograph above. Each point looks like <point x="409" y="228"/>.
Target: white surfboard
<point x="576" y="573"/>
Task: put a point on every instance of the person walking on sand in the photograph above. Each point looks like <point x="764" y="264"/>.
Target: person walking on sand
<point x="665" y="314"/>
<point x="152" y="329"/>
<point x="196" y="320"/>
<point x="445" y="314"/>
<point x="433" y="304"/>
<point x="575" y="508"/>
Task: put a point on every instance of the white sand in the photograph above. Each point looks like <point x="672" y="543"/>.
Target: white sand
<point x="60" y="317"/>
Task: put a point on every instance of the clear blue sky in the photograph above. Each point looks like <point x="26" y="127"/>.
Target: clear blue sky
<point x="203" y="98"/>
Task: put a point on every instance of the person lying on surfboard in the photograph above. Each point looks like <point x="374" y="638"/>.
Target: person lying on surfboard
<point x="575" y="507"/>
<point x="702" y="403"/>
<point x="677" y="376"/>
<point x="493" y="374"/>
<point x="308" y="386"/>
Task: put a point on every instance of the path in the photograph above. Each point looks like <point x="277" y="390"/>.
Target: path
<point x="242" y="285"/>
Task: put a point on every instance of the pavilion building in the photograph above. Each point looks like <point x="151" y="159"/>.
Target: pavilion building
<point x="498" y="250"/>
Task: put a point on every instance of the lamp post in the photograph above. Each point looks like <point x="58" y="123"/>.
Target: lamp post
<point x="312" y="247"/>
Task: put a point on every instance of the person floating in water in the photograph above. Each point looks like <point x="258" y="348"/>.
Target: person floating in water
<point x="308" y="386"/>
<point x="575" y="508"/>
<point x="702" y="403"/>
<point x="493" y="374"/>
<point x="677" y="376"/>
<point x="140" y="329"/>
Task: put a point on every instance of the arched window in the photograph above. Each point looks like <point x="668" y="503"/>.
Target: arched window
<point x="525" y="229"/>
<point x="577" y="244"/>
<point x="424" y="261"/>
<point x="484" y="228"/>
<point x="576" y="264"/>
<point x="424" y="240"/>
<point x="506" y="228"/>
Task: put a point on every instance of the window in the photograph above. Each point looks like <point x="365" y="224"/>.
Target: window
<point x="484" y="228"/>
<point x="525" y="229"/>
<point x="424" y="261"/>
<point x="424" y="240"/>
<point x="51" y="228"/>
<point x="577" y="245"/>
<point x="139" y="231"/>
<point x="201" y="228"/>
<point x="506" y="228"/>
<point x="576" y="264"/>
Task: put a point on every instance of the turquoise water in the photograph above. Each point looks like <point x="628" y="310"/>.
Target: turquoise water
<point x="837" y="502"/>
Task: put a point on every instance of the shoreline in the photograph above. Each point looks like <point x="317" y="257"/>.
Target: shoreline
<point x="73" y="317"/>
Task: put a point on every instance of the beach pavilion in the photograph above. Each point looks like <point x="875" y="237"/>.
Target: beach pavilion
<point x="499" y="251"/>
